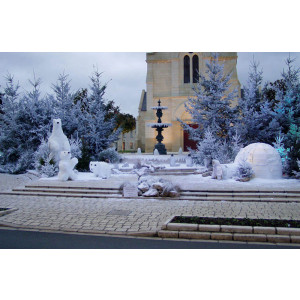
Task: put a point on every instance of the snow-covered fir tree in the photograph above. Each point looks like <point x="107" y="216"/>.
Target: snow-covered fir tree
<point x="212" y="109"/>
<point x="24" y="129"/>
<point x="211" y="106"/>
<point x="288" y="114"/>
<point x="9" y="106"/>
<point x="95" y="128"/>
<point x="257" y="121"/>
<point x="64" y="105"/>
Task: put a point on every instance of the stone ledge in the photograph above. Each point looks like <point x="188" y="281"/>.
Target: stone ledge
<point x="289" y="231"/>
<point x="182" y="227"/>
<point x="194" y="235"/>
<point x="210" y="228"/>
<point x="249" y="237"/>
<point x="221" y="236"/>
<point x="236" y="229"/>
<point x="278" y="238"/>
<point x="264" y="230"/>
<point x="295" y="239"/>
<point x="167" y="234"/>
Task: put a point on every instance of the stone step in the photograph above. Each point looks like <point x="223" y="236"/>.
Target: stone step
<point x="177" y="170"/>
<point x="169" y="173"/>
<point x="241" y="194"/>
<point x="54" y="194"/>
<point x="239" y="199"/>
<point x="68" y="191"/>
<point x="71" y="187"/>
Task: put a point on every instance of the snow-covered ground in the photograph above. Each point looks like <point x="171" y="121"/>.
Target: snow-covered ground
<point x="192" y="182"/>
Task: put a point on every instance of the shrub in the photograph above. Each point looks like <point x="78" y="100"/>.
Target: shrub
<point x="109" y="154"/>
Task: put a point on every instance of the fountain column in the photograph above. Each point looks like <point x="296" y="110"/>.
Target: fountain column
<point x="159" y="126"/>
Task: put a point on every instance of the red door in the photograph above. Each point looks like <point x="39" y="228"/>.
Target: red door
<point x="187" y="142"/>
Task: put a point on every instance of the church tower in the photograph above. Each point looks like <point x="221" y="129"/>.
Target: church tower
<point x="170" y="78"/>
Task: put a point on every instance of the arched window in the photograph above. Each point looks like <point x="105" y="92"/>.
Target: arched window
<point x="186" y="69"/>
<point x="195" y="68"/>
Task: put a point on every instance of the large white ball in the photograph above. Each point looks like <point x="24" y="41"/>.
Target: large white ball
<point x="264" y="159"/>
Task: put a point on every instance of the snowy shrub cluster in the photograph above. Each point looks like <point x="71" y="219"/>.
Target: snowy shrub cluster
<point x="212" y="148"/>
<point x="43" y="164"/>
<point x="244" y="170"/>
<point x="297" y="173"/>
<point x="109" y="154"/>
<point x="26" y="121"/>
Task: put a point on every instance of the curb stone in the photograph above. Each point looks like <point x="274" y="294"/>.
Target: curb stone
<point x="276" y="235"/>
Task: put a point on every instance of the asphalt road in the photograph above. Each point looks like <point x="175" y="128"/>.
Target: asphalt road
<point x="20" y="239"/>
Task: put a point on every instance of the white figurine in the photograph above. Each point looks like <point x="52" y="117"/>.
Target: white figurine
<point x="101" y="169"/>
<point x="217" y="170"/>
<point x="189" y="161"/>
<point x="57" y="141"/>
<point x="180" y="151"/>
<point x="66" y="166"/>
<point x="139" y="151"/>
<point x="172" y="161"/>
<point x="156" y="152"/>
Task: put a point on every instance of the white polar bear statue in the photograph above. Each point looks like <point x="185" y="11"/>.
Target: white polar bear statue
<point x="66" y="166"/>
<point x="57" y="141"/>
<point x="101" y="169"/>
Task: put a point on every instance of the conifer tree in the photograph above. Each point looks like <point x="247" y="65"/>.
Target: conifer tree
<point x="212" y="104"/>
<point x="97" y="132"/>
<point x="257" y="121"/>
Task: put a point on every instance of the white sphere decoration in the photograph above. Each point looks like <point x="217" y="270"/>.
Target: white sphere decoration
<point x="264" y="159"/>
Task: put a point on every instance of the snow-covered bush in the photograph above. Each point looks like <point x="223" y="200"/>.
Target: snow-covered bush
<point x="76" y="146"/>
<point x="297" y="173"/>
<point x="109" y="154"/>
<point x="244" y="170"/>
<point x="43" y="163"/>
<point x="211" y="147"/>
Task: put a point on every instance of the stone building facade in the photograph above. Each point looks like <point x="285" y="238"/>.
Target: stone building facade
<point x="170" y="78"/>
<point x="127" y="142"/>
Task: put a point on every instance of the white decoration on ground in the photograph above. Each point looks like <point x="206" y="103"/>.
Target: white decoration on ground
<point x="157" y="187"/>
<point x="156" y="152"/>
<point x="57" y="141"/>
<point x="172" y="161"/>
<point x="189" y="161"/>
<point x="180" y="151"/>
<point x="66" y="166"/>
<point x="217" y="170"/>
<point x="264" y="159"/>
<point x="101" y="169"/>
<point x="139" y="151"/>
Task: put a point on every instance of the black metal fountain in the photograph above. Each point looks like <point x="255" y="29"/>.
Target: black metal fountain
<point x="159" y="126"/>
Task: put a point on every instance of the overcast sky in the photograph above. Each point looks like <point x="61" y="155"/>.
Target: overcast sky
<point x="125" y="71"/>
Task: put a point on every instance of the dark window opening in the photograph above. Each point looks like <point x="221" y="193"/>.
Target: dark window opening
<point x="186" y="69"/>
<point x="195" y="68"/>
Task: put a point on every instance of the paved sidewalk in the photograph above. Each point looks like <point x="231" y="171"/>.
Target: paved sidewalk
<point x="117" y="216"/>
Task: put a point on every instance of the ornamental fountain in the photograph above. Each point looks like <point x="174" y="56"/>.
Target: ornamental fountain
<point x="159" y="128"/>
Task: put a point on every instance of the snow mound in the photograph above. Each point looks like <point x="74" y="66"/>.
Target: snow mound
<point x="264" y="159"/>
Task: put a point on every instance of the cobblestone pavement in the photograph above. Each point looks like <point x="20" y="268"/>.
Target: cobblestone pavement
<point x="122" y="215"/>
